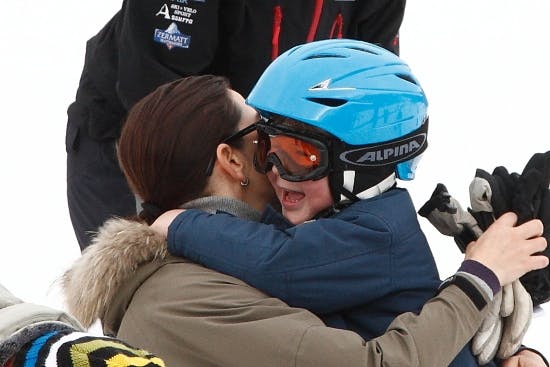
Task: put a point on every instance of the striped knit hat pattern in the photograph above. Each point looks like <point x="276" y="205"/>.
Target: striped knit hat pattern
<point x="77" y="349"/>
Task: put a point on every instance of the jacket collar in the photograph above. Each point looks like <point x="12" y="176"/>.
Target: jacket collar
<point x="215" y="204"/>
<point x="93" y="285"/>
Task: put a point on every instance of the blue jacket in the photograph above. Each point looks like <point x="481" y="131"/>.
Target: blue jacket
<point x="357" y="270"/>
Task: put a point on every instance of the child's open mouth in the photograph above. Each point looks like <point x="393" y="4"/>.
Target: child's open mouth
<point x="292" y="197"/>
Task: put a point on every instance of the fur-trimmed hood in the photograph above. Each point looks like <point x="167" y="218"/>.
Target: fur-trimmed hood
<point x="119" y="248"/>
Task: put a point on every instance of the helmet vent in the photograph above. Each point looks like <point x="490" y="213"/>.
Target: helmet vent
<point x="331" y="102"/>
<point x="364" y="50"/>
<point x="407" y="78"/>
<point x="325" y="56"/>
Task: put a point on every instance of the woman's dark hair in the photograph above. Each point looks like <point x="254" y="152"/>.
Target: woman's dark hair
<point x="170" y="136"/>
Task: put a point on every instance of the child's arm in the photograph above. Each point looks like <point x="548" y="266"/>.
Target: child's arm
<point x="320" y="265"/>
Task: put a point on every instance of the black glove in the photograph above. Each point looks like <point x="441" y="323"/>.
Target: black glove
<point x="491" y="195"/>
<point x="532" y="187"/>
<point x="446" y="214"/>
<point x="527" y="195"/>
<point x="532" y="200"/>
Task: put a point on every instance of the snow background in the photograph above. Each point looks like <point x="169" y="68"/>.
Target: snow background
<point x="483" y="64"/>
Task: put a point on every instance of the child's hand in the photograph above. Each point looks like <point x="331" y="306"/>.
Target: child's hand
<point x="163" y="222"/>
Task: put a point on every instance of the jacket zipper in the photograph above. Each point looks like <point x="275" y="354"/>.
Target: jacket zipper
<point x="337" y="25"/>
<point x="277" y="19"/>
<point x="315" y="21"/>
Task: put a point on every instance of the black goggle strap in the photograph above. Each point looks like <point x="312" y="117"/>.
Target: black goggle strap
<point x="347" y="194"/>
<point x="269" y="128"/>
<point x="378" y="185"/>
<point x="404" y="148"/>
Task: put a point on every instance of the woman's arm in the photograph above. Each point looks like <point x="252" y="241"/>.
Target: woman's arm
<point x="264" y="331"/>
<point x="315" y="265"/>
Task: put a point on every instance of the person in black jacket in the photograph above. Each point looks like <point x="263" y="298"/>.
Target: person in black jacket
<point x="148" y="43"/>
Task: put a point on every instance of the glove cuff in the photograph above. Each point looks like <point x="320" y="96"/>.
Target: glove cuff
<point x="468" y="287"/>
<point x="482" y="272"/>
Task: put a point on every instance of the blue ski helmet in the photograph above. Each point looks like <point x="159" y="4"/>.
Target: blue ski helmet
<point x="363" y="95"/>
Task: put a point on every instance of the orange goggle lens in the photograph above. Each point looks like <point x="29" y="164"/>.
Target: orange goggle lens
<point x="296" y="159"/>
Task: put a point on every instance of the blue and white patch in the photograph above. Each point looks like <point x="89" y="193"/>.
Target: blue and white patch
<point x="172" y="37"/>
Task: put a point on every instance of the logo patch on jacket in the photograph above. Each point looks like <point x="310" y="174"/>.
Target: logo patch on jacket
<point x="172" y="37"/>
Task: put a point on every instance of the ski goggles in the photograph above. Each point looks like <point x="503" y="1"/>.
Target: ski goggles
<point x="306" y="156"/>
<point x="298" y="157"/>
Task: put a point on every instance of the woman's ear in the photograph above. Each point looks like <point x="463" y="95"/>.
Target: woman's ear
<point x="231" y="161"/>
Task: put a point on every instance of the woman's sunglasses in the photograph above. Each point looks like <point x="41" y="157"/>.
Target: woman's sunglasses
<point x="236" y="136"/>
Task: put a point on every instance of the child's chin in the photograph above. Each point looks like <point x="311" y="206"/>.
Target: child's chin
<point x="294" y="217"/>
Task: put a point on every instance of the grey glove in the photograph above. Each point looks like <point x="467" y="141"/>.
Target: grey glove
<point x="486" y="340"/>
<point x="516" y="325"/>
<point x="516" y="307"/>
<point x="504" y="327"/>
<point x="502" y="331"/>
<point x="448" y="217"/>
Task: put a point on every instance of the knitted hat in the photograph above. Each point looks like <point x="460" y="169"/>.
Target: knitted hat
<point x="77" y="349"/>
<point x="36" y="335"/>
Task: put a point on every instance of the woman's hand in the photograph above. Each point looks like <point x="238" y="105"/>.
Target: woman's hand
<point x="508" y="250"/>
<point x="161" y="224"/>
<point x="525" y="358"/>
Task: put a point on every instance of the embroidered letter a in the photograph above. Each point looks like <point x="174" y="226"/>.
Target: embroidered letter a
<point x="164" y="11"/>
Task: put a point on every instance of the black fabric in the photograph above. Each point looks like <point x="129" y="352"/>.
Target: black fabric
<point x="23" y="357"/>
<point x="532" y="193"/>
<point x="441" y="200"/>
<point x="468" y="288"/>
<point x="527" y="195"/>
<point x="96" y="187"/>
<point x="378" y="155"/>
<point x="19" y="342"/>
<point x="105" y="352"/>
<point x="532" y="200"/>
<point x="502" y="186"/>
<point x="150" y="212"/>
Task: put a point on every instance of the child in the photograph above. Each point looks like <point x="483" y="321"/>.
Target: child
<point x="336" y="134"/>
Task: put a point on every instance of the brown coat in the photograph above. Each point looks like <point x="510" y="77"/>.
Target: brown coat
<point x="192" y="316"/>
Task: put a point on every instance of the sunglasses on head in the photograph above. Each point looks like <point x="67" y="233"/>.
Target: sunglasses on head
<point x="298" y="157"/>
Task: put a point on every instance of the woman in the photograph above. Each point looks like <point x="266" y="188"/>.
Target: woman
<point x="177" y="149"/>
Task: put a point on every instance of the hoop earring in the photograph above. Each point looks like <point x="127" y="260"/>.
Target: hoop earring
<point x="245" y="182"/>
